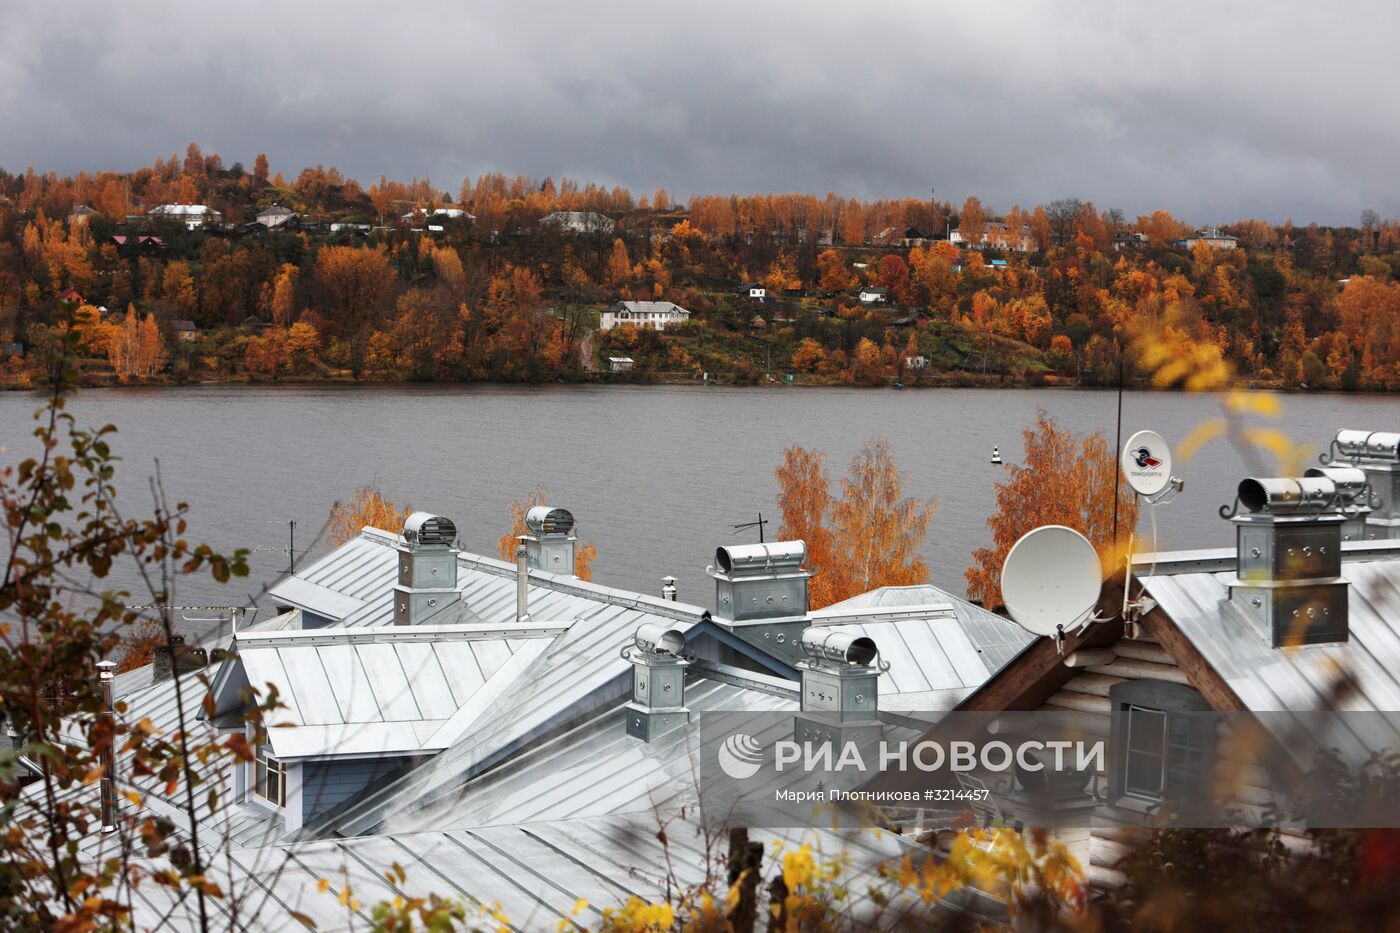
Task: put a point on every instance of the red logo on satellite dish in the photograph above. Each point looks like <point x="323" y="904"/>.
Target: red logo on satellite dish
<point x="1143" y="458"/>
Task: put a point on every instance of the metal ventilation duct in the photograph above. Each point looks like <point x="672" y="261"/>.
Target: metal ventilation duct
<point x="823" y="644"/>
<point x="743" y="560"/>
<point x="1368" y="445"/>
<point x="427" y="530"/>
<point x="660" y="640"/>
<point x="1351" y="482"/>
<point x="1280" y="495"/>
<point x="544" y="520"/>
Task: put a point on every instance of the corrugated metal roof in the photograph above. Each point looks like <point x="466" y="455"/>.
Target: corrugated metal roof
<point x="536" y="872"/>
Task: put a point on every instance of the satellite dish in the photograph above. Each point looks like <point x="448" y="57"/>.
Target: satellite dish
<point x="1146" y="463"/>
<point x="1051" y="580"/>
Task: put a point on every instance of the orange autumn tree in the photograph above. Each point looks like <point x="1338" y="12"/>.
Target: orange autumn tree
<point x="584" y="553"/>
<point x="1066" y="480"/>
<point x="367" y="507"/>
<point x="870" y="537"/>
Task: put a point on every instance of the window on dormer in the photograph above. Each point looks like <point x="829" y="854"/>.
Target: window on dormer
<point x="269" y="777"/>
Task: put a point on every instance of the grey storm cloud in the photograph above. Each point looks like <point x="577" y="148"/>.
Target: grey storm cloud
<point x="1214" y="111"/>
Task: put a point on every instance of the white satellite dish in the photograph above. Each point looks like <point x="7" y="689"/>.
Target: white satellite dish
<point x="1146" y="462"/>
<point x="1051" y="580"/>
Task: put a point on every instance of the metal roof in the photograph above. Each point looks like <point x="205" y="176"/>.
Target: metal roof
<point x="382" y="691"/>
<point x="1294" y="679"/>
<point x="536" y="872"/>
<point x="594" y="770"/>
<point x="939" y="647"/>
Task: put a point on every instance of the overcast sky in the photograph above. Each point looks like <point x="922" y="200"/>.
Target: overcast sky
<point x="1216" y="111"/>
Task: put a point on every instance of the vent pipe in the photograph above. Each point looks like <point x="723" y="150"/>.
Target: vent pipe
<point x="658" y="681"/>
<point x="427" y="587"/>
<point x="668" y="588"/>
<point x="760" y="581"/>
<point x="1377" y="454"/>
<point x="840" y="687"/>
<point x="1289" y="556"/>
<point x="109" y="760"/>
<point x="522" y="583"/>
<point x="551" y="539"/>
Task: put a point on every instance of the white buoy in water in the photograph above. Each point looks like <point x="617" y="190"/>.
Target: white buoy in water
<point x="996" y="455"/>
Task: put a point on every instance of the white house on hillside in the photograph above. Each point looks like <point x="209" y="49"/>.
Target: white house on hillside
<point x="438" y="213"/>
<point x="193" y="216"/>
<point x="655" y="315"/>
<point x="997" y="235"/>
<point x="1214" y="238"/>
<point x="276" y="216"/>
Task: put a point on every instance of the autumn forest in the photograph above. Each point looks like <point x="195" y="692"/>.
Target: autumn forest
<point x="256" y="276"/>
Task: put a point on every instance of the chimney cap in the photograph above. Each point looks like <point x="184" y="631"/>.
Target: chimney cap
<point x="659" y="640"/>
<point x="1290" y="495"/>
<point x="1368" y="445"/>
<point x="1351" y="482"/>
<point x="425" y="528"/>
<point x="824" y="643"/>
<point x="546" y="520"/>
<point x="750" y="559"/>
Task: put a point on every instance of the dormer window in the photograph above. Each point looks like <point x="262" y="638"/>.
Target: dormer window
<point x="269" y="777"/>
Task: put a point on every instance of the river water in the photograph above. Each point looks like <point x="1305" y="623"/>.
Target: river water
<point x="655" y="475"/>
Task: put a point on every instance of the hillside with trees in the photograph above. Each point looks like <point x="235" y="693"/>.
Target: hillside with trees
<point x="409" y="281"/>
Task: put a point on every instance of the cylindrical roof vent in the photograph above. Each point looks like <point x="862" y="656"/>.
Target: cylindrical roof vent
<point x="1368" y="445"/>
<point x="424" y="528"/>
<point x="657" y="639"/>
<point x="1277" y="495"/>
<point x="544" y="520"/>
<point x="1351" y="481"/>
<point x="741" y="560"/>
<point x="824" y="643"/>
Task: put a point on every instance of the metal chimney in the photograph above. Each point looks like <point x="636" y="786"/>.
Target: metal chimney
<point x="109" y="758"/>
<point x="840" y="687"/>
<point x="427" y="570"/>
<point x="658" y="681"/>
<point x="551" y="540"/>
<point x="760" y="581"/>
<point x="1289" y="549"/>
<point x="668" y="588"/>
<point x="522" y="584"/>
<point x="1355" y="497"/>
<point x="1377" y="454"/>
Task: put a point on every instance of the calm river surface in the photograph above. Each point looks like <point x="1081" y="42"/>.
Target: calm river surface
<point x="654" y="475"/>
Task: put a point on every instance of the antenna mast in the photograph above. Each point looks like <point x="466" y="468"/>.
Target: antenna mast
<point x="745" y="526"/>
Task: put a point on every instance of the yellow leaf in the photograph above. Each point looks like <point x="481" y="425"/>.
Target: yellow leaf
<point x="580" y="906"/>
<point x="323" y="886"/>
<point x="135" y="798"/>
<point x="1254" y="403"/>
<point x="1199" y="436"/>
<point x="1271" y="439"/>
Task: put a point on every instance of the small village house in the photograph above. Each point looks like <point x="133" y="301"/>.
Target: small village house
<point x="193" y="216"/>
<point x="1213" y="237"/>
<point x="652" y="315"/>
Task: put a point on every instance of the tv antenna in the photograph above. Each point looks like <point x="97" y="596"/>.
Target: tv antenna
<point x="1050" y="582"/>
<point x="745" y="526"/>
<point x="291" y="547"/>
